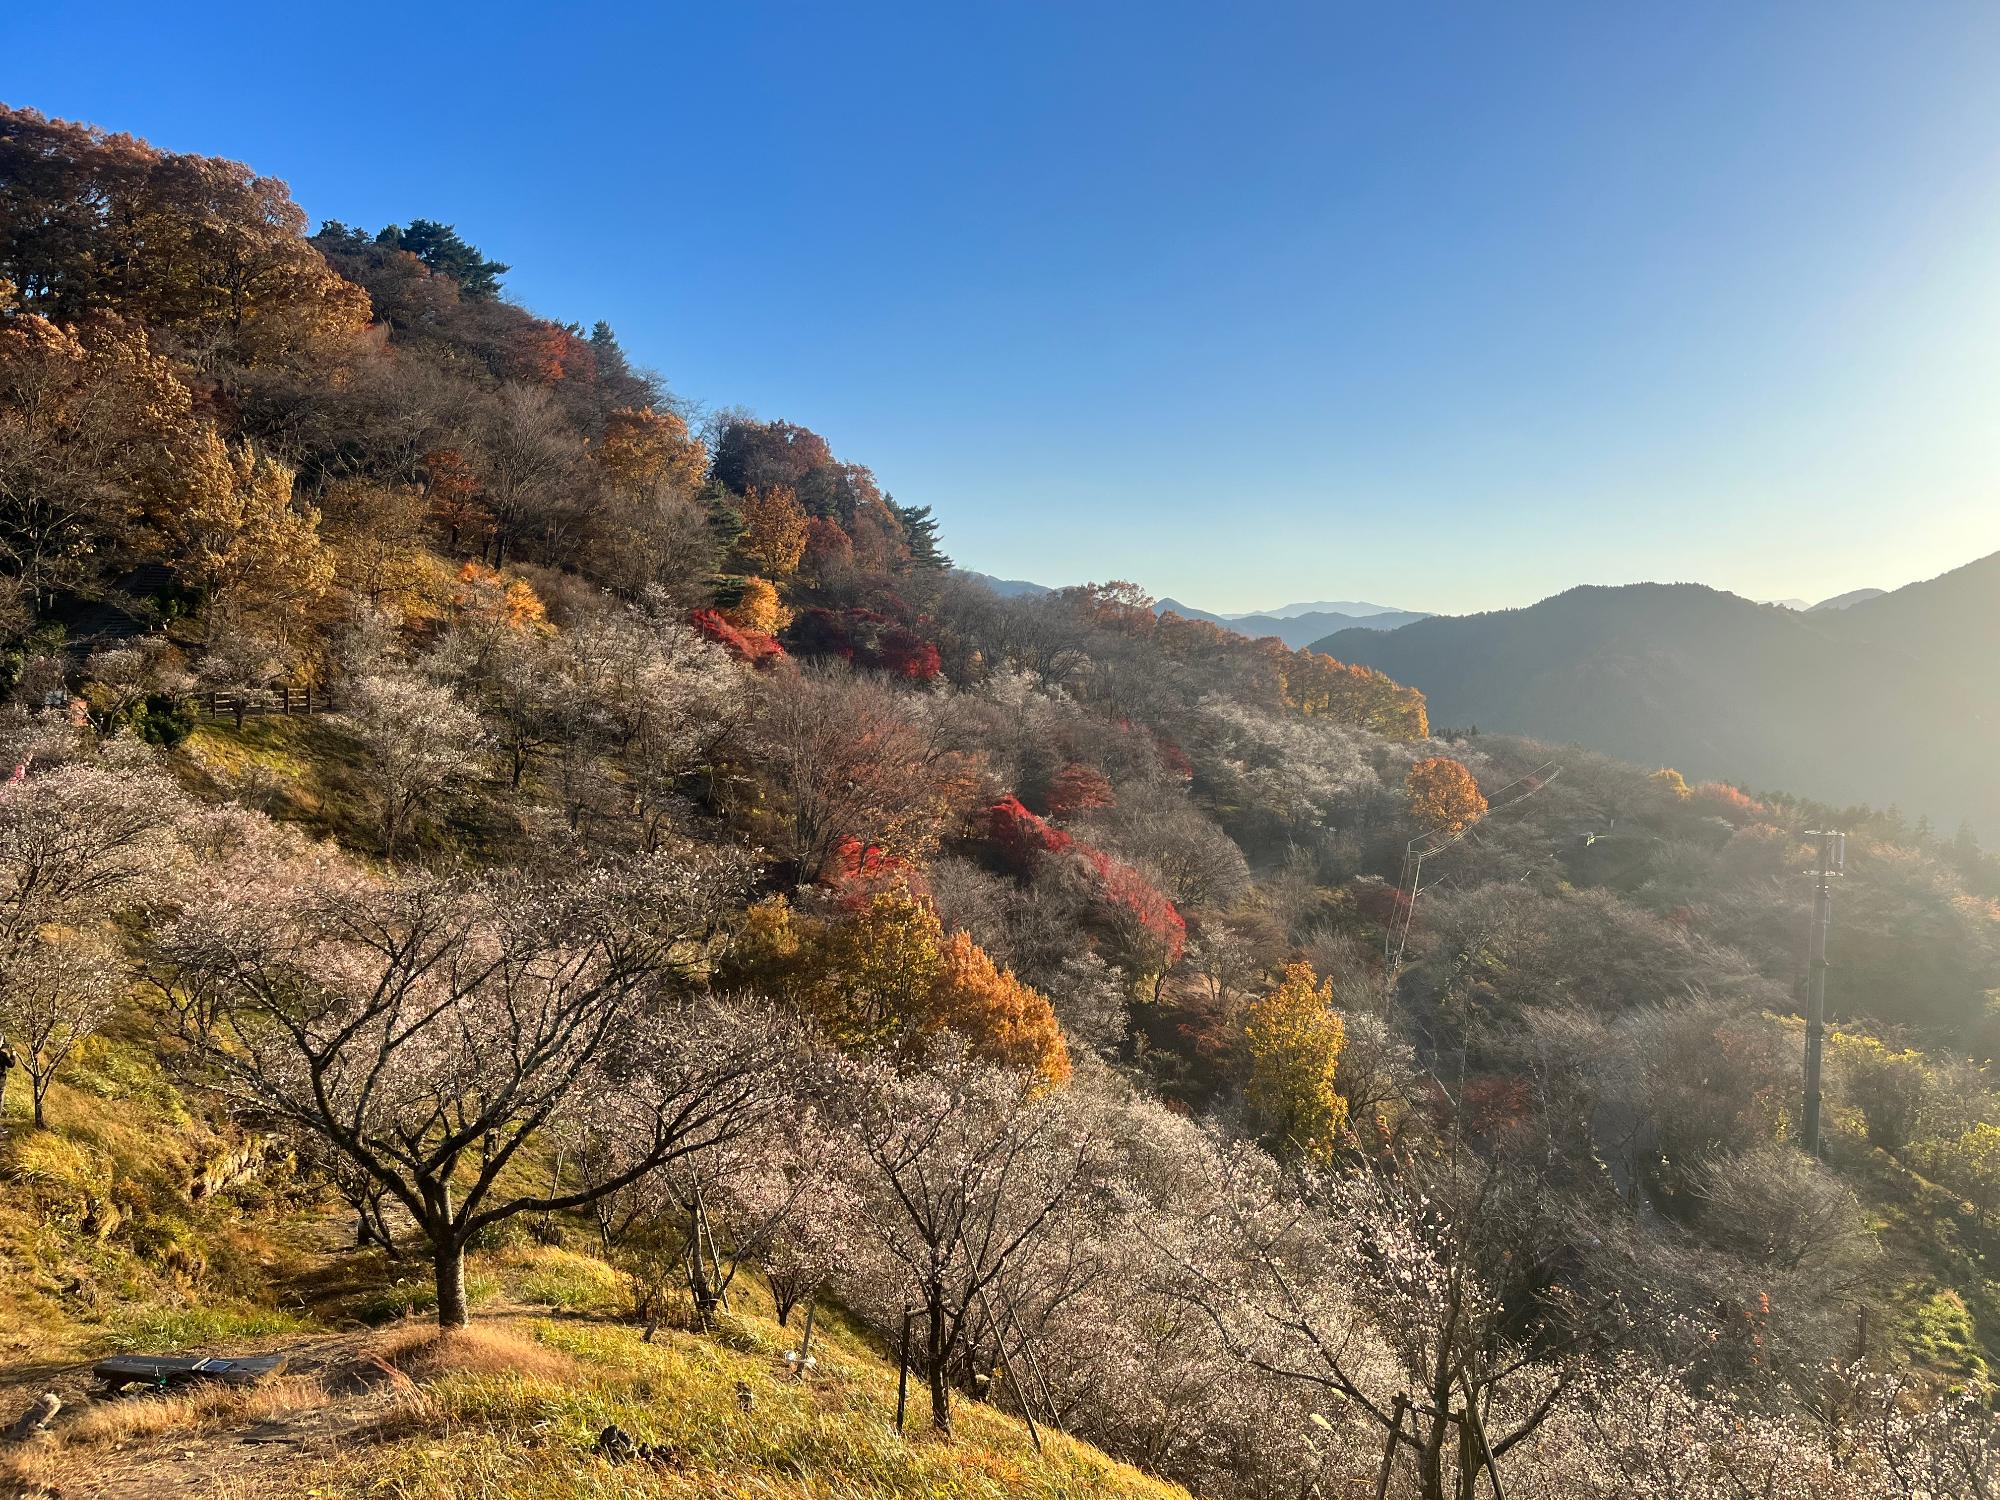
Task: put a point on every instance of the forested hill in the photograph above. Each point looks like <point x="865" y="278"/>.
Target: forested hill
<point x="1895" y="699"/>
<point x="481" y="839"/>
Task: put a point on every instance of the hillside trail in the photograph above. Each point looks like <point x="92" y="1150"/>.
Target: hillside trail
<point x="331" y="1394"/>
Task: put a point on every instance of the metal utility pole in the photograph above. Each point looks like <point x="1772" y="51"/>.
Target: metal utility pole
<point x="1832" y="865"/>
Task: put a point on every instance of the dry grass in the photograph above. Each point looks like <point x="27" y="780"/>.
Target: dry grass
<point x="429" y="1354"/>
<point x="138" y="1418"/>
<point x="49" y="1464"/>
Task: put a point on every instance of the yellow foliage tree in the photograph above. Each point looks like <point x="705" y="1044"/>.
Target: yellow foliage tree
<point x="1670" y="781"/>
<point x="643" y="450"/>
<point x="225" y="518"/>
<point x="774" y="532"/>
<point x="1295" y="1038"/>
<point x="759" y="608"/>
<point x="1444" y="795"/>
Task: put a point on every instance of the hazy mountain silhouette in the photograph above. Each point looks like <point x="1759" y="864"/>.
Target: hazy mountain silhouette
<point x="1297" y="630"/>
<point x="1891" y="699"/>
<point x="1006" y="588"/>
<point x="1850" y="598"/>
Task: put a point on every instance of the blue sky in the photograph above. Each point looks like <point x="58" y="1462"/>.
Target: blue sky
<point x="1449" y="306"/>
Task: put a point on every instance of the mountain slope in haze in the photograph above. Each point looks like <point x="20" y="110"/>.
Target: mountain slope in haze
<point x="1295" y="630"/>
<point x="1896" y="699"/>
<point x="1006" y="588"/>
<point x="1356" y="609"/>
<point x="1951" y="624"/>
<point x="1849" y="599"/>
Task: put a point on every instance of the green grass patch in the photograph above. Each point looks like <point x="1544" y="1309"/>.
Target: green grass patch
<point x="1945" y="1334"/>
<point x="175" y="1330"/>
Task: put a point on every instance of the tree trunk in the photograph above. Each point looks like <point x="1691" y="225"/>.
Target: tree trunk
<point x="39" y="1088"/>
<point x="1430" y="1459"/>
<point x="450" y="1263"/>
<point x="934" y="1367"/>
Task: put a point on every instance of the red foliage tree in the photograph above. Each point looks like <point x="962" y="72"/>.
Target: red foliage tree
<point x="1147" y="927"/>
<point x="867" y="638"/>
<point x="746" y="645"/>
<point x="1022" y="839"/>
<point x="859" y="871"/>
<point x="1078" y="788"/>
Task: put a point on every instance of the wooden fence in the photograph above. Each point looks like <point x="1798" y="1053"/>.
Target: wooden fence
<point x="242" y="703"/>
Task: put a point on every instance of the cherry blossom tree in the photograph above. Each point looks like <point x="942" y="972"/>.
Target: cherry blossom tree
<point x="971" y="1167"/>
<point x="79" y="844"/>
<point x="422" y="741"/>
<point x="431" y="1029"/>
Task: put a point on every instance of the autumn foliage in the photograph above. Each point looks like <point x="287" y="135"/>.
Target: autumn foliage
<point x="1444" y="795"/>
<point x="643" y="449"/>
<point x="1295" y="1038"/>
<point x="1671" y="782"/>
<point x="774" y="532"/>
<point x="1076" y="789"/>
<point x="869" y="639"/>
<point x="1142" y="924"/>
<point x="495" y="599"/>
<point x="758" y="610"/>
<point x="884" y="975"/>
<point x="1266" y="671"/>
<point x="745" y="645"/>
<point x="1021" y="838"/>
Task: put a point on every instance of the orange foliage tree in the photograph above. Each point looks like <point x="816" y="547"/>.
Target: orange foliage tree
<point x="195" y="244"/>
<point x="884" y="976"/>
<point x="1444" y="795"/>
<point x="451" y="489"/>
<point x="1670" y="781"/>
<point x="499" y="601"/>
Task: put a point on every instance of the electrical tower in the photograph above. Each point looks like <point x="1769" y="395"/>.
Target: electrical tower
<point x="1832" y="865"/>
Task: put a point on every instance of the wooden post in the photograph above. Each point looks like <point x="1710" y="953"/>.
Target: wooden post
<point x="1476" y="1424"/>
<point x="1034" y="1363"/>
<point x="903" y="1370"/>
<point x="1013" y="1381"/>
<point x="806" y="1340"/>
<point x="1389" y="1450"/>
<point x="309" y="699"/>
<point x="285" y="701"/>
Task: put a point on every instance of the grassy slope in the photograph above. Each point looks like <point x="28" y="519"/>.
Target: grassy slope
<point x="513" y="1406"/>
<point x="136" y="1223"/>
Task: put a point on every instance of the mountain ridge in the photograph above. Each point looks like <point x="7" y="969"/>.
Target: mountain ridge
<point x="1891" y="697"/>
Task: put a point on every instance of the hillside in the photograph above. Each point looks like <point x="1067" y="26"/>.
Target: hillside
<point x="502" y="881"/>
<point x="1891" y="700"/>
<point x="512" y="1408"/>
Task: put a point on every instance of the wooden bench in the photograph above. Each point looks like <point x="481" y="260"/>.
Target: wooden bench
<point x="160" y="1373"/>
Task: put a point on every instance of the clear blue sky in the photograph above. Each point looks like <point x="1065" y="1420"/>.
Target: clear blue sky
<point x="1443" y="305"/>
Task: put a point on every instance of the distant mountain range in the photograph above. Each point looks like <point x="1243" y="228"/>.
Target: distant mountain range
<point x="1838" y="601"/>
<point x="1306" y="625"/>
<point x="1006" y="588"/>
<point x="1872" y="696"/>
<point x="1296" y="624"/>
